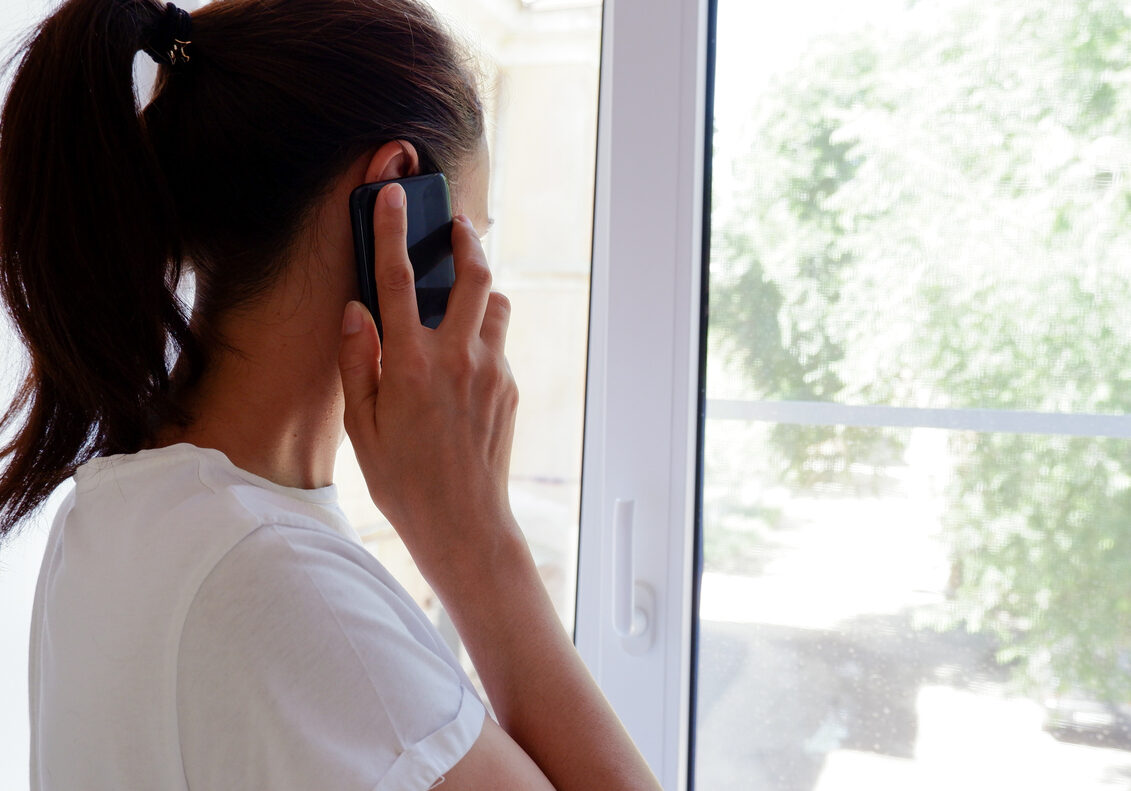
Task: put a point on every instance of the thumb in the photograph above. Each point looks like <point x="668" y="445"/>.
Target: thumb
<point x="359" y="360"/>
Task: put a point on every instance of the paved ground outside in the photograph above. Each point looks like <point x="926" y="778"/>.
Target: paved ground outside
<point x="821" y="670"/>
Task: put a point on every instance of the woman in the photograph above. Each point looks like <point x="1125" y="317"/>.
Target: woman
<point x="205" y="618"/>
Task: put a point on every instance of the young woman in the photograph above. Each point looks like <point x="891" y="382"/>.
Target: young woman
<point x="205" y="617"/>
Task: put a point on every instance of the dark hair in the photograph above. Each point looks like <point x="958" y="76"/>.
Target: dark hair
<point x="100" y="205"/>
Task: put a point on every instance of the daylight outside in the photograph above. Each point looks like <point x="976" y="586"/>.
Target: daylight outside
<point x="917" y="488"/>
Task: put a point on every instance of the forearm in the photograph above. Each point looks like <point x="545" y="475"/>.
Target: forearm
<point x="543" y="694"/>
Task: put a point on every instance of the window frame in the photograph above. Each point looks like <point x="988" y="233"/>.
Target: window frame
<point x="643" y="393"/>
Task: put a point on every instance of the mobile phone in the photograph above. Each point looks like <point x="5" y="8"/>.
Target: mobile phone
<point x="429" y="243"/>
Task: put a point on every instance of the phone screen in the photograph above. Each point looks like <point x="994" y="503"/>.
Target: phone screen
<point x="429" y="243"/>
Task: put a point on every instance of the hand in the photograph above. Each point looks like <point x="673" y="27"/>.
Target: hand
<point x="431" y="413"/>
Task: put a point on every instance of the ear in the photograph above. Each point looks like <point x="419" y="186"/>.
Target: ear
<point x="396" y="159"/>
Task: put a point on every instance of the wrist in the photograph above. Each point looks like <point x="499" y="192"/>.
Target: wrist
<point x="495" y="576"/>
<point x="487" y="553"/>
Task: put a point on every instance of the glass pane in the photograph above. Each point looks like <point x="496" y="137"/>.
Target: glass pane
<point x="952" y="614"/>
<point x="942" y="201"/>
<point x="919" y="214"/>
<point x="539" y="67"/>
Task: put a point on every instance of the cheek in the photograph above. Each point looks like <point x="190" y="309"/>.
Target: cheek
<point x="469" y="196"/>
<point x="474" y="210"/>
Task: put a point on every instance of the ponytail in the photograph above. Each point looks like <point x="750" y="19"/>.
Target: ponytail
<point x="89" y="252"/>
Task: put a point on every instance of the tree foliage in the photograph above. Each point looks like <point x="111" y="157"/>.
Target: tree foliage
<point x="937" y="212"/>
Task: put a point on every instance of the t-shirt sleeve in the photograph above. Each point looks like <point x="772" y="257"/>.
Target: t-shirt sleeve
<point x="300" y="668"/>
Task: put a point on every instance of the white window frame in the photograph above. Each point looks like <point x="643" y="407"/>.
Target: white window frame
<point x="642" y="400"/>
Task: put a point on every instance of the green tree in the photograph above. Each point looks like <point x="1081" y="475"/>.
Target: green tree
<point x="938" y="213"/>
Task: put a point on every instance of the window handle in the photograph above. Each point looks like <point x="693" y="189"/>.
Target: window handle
<point x="633" y="601"/>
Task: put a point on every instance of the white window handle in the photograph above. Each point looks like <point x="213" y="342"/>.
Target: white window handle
<point x="632" y="600"/>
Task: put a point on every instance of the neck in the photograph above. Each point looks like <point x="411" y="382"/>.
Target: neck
<point x="272" y="402"/>
<point x="270" y="397"/>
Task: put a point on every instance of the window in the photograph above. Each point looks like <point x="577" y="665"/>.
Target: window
<point x="916" y="475"/>
<point x="914" y="433"/>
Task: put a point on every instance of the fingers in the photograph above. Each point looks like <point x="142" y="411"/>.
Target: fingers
<point x="359" y="365"/>
<point x="472" y="307"/>
<point x="496" y="319"/>
<point x="468" y="299"/>
<point x="392" y="270"/>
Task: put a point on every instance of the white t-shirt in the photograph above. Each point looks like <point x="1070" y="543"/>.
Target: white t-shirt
<point x="199" y="627"/>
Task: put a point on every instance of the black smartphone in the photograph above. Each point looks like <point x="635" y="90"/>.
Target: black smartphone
<point x="429" y="243"/>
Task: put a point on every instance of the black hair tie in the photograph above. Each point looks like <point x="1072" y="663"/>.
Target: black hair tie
<point x="169" y="40"/>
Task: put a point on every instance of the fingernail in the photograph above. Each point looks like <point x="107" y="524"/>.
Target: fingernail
<point x="462" y="218"/>
<point x="394" y="196"/>
<point x="353" y="319"/>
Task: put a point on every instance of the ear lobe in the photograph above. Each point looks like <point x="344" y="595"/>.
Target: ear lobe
<point x="396" y="159"/>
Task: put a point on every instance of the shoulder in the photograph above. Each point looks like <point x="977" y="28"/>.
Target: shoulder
<point x="181" y="508"/>
<point x="315" y="576"/>
<point x="300" y="643"/>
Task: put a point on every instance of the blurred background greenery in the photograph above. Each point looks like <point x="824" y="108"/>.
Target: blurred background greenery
<point x="935" y="213"/>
